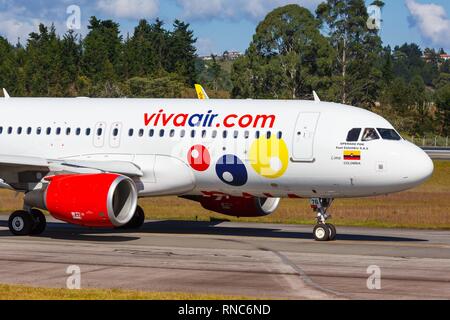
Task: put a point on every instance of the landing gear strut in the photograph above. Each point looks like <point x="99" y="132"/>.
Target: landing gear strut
<point x="25" y="223"/>
<point x="137" y="221"/>
<point x="323" y="231"/>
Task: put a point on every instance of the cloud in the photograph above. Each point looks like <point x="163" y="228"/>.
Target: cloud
<point x="236" y="9"/>
<point x="13" y="27"/>
<point x="432" y="22"/>
<point x="129" y="9"/>
<point x="205" y="46"/>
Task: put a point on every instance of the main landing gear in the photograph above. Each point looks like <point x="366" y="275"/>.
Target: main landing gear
<point x="323" y="231"/>
<point x="137" y="221"/>
<point x="26" y="223"/>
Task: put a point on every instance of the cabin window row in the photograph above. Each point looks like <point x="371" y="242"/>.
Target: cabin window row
<point x="195" y="133"/>
<point x="48" y="131"/>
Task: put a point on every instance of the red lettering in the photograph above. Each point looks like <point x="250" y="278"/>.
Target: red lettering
<point x="166" y="120"/>
<point x="148" y="119"/>
<point x="226" y="123"/>
<point x="263" y="119"/>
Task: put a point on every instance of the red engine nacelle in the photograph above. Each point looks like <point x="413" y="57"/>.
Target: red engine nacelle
<point x="241" y="207"/>
<point x="92" y="200"/>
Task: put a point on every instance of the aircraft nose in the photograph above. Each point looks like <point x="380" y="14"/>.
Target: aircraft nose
<point x="420" y="166"/>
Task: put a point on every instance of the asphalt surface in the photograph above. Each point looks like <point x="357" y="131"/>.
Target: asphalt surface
<point x="255" y="260"/>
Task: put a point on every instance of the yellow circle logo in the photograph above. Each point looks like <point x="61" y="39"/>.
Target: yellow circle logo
<point x="269" y="157"/>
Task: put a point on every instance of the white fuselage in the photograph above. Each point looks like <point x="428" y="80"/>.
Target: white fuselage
<point x="274" y="148"/>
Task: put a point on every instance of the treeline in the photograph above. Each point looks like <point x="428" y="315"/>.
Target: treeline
<point x="334" y="52"/>
<point x="293" y="52"/>
<point x="153" y="62"/>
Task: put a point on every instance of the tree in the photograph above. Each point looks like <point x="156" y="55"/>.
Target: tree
<point x="142" y="57"/>
<point x="358" y="49"/>
<point x="102" y="48"/>
<point x="443" y="106"/>
<point x="8" y="66"/>
<point x="43" y="63"/>
<point x="182" y="53"/>
<point x="288" y="58"/>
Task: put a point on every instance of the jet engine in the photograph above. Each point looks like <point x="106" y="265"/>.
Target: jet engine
<point x="241" y="207"/>
<point x="91" y="200"/>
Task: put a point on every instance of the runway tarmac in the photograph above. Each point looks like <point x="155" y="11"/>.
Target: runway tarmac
<point x="244" y="259"/>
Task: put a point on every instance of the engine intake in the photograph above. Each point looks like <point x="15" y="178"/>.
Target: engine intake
<point x="92" y="200"/>
<point x="241" y="207"/>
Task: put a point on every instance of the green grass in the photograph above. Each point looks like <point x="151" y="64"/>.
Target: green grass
<point x="14" y="292"/>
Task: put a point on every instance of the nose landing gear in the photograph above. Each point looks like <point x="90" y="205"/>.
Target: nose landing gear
<point x="323" y="231"/>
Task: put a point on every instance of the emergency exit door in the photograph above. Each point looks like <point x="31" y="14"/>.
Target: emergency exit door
<point x="304" y="135"/>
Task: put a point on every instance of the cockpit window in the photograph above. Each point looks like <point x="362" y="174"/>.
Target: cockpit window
<point x="370" y="134"/>
<point x="353" y="135"/>
<point x="389" y="134"/>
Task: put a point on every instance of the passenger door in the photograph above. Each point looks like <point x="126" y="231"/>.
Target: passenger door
<point x="304" y="134"/>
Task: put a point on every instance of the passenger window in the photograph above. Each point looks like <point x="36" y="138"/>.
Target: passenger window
<point x="1" y="130"/>
<point x="10" y="130"/>
<point x="141" y="132"/>
<point x="99" y="132"/>
<point x="225" y="134"/>
<point x="29" y="130"/>
<point x="280" y="135"/>
<point x="68" y="131"/>
<point x="58" y="131"/>
<point x="214" y="134"/>
<point x="389" y="134"/>
<point x="115" y="132"/>
<point x="269" y="135"/>
<point x="247" y="134"/>
<point x="151" y="133"/>
<point x="172" y="133"/>
<point x="38" y="131"/>
<point x="131" y="132"/>
<point x="236" y="134"/>
<point x="353" y="135"/>
<point x="88" y="131"/>
<point x="162" y="133"/>
<point x="204" y="134"/>
<point x="49" y="131"/>
<point x="193" y="134"/>
<point x="370" y="134"/>
<point x="19" y="131"/>
<point x="182" y="133"/>
<point x="78" y="132"/>
<point x="257" y="134"/>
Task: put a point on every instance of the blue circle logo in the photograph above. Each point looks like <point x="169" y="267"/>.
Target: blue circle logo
<point x="232" y="171"/>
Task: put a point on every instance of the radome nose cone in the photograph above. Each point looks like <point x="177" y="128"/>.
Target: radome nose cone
<point x="422" y="167"/>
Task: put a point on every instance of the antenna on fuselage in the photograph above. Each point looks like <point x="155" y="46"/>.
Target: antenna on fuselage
<point x="5" y="93"/>
<point x="316" y="97"/>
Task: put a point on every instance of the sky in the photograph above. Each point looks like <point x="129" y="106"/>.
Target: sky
<point x="219" y="25"/>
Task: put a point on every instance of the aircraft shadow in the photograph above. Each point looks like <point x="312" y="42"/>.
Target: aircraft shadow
<point x="63" y="231"/>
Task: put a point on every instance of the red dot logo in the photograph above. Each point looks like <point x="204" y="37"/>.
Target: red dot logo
<point x="199" y="158"/>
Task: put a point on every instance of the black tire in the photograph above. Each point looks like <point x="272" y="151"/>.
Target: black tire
<point x="321" y="232"/>
<point x="333" y="231"/>
<point x="40" y="222"/>
<point x="137" y="221"/>
<point x="21" y="223"/>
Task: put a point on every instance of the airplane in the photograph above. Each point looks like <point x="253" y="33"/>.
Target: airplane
<point x="88" y="161"/>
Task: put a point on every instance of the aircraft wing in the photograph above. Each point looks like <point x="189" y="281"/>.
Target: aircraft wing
<point x="21" y="171"/>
